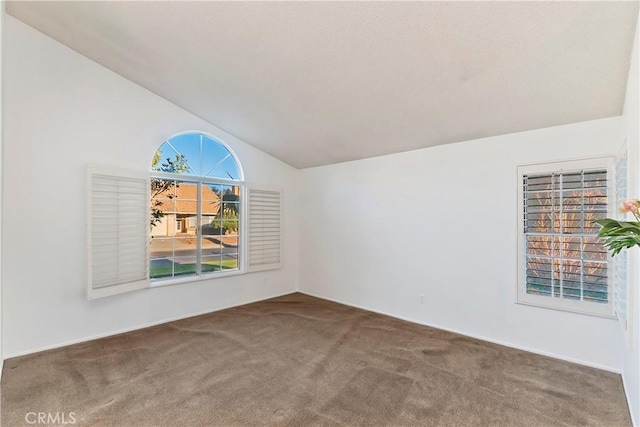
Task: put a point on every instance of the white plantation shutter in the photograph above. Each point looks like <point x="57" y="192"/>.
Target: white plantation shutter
<point x="118" y="232"/>
<point x="620" y="260"/>
<point x="264" y="229"/>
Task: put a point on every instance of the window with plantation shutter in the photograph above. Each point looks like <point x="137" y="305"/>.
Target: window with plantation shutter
<point x="118" y="232"/>
<point x="264" y="229"/>
<point x="563" y="263"/>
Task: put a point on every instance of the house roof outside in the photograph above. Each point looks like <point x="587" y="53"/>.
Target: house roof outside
<point x="184" y="200"/>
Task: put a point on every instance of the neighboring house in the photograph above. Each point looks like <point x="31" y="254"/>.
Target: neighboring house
<point x="179" y="206"/>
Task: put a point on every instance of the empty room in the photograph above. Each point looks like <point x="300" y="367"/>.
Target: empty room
<point x="319" y="213"/>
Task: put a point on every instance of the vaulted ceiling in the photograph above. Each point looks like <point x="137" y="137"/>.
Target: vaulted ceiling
<point x="314" y="83"/>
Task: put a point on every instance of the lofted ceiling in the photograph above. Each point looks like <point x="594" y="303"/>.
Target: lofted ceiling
<point x="315" y="83"/>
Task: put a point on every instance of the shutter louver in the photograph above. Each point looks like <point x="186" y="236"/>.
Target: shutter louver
<point x="118" y="219"/>
<point x="264" y="229"/>
<point x="564" y="257"/>
<point x="620" y="260"/>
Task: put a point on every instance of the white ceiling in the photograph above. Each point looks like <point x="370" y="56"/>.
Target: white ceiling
<point x="314" y="83"/>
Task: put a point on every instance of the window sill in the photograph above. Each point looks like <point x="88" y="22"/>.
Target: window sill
<point x="158" y="283"/>
<point x="604" y="312"/>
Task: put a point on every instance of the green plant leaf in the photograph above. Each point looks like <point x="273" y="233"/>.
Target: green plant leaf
<point x="619" y="235"/>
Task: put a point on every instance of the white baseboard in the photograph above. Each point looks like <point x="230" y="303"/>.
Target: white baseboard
<point x="626" y="393"/>
<point x="480" y="337"/>
<point x="135" y="328"/>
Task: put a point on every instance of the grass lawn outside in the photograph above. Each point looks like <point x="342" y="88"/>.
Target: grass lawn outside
<point x="180" y="269"/>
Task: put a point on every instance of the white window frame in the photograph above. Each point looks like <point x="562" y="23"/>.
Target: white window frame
<point x="582" y="307"/>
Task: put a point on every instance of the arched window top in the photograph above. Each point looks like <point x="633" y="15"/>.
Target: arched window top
<point x="196" y="154"/>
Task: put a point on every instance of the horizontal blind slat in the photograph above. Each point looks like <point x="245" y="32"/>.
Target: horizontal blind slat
<point x="119" y="222"/>
<point x="263" y="228"/>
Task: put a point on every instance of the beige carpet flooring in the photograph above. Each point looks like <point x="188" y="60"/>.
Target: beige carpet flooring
<point x="297" y="361"/>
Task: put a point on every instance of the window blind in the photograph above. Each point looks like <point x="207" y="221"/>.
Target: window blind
<point x="264" y="229"/>
<point x="118" y="220"/>
<point x="564" y="258"/>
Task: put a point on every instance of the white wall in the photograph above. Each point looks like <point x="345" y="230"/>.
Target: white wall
<point x="2" y="18"/>
<point x="62" y="113"/>
<point x="631" y="351"/>
<point x="441" y="222"/>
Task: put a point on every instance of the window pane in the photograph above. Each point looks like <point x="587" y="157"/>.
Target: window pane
<point x="593" y="249"/>
<point x="539" y="276"/>
<point x="217" y="161"/>
<point x="223" y="262"/>
<point x="539" y="245"/>
<point x="568" y="247"/>
<point x="161" y="247"/>
<point x="185" y="149"/>
<point x="226" y="221"/>
<point x="161" y="267"/>
<point x="230" y="262"/>
<point x="186" y="210"/>
<point x="211" y="263"/>
<point x="171" y="256"/>
<point x="184" y="266"/>
<point x="539" y="182"/>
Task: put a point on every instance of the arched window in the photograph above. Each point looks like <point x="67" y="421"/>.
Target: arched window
<point x="196" y="219"/>
<point x="196" y="212"/>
